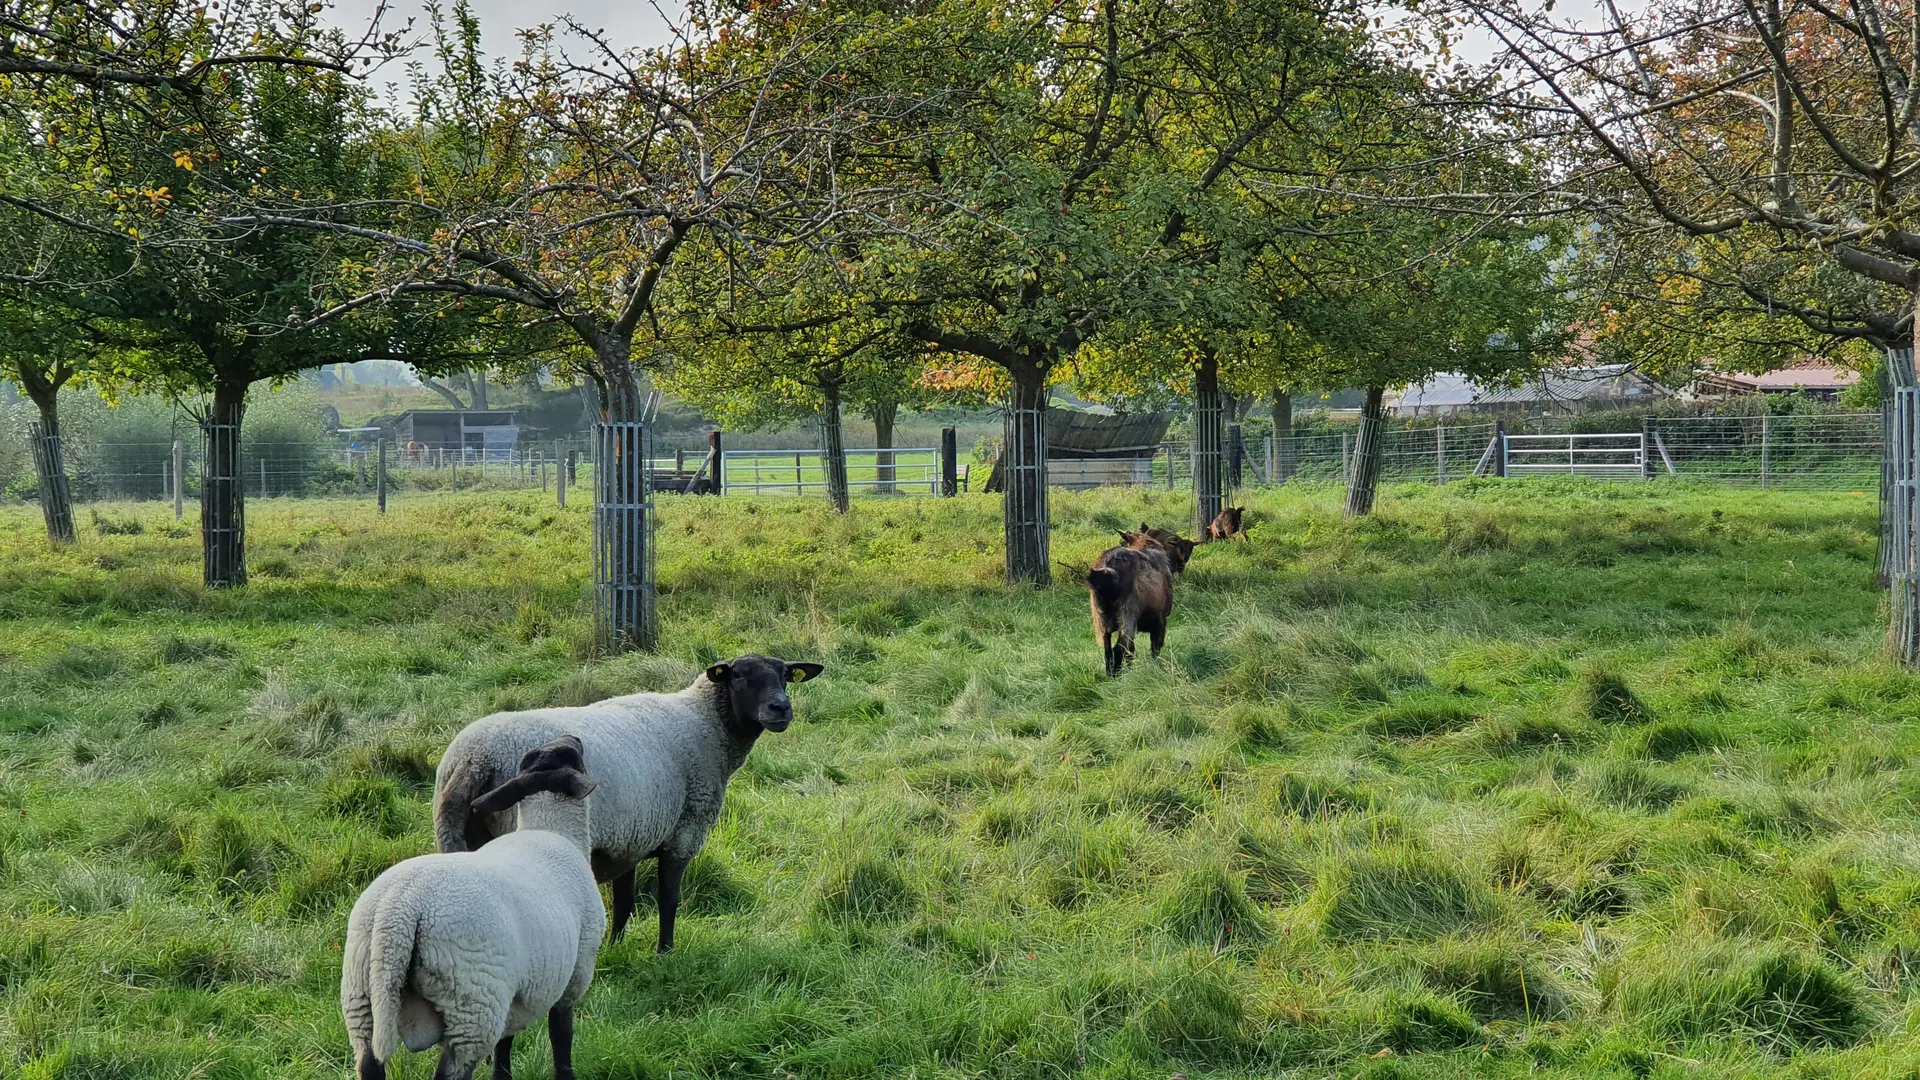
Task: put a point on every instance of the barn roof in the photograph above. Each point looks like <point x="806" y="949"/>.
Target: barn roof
<point x="1454" y="390"/>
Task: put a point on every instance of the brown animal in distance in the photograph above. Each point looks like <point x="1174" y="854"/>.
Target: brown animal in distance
<point x="1177" y="548"/>
<point x="1129" y="590"/>
<point x="1229" y="522"/>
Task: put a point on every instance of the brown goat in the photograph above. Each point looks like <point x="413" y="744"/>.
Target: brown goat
<point x="1129" y="590"/>
<point x="1178" y="548"/>
<point x="1229" y="522"/>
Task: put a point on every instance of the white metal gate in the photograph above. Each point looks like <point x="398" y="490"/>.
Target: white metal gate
<point x="1616" y="456"/>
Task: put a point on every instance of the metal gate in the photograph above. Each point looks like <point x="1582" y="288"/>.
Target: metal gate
<point x="1617" y="456"/>
<point x="1904" y="569"/>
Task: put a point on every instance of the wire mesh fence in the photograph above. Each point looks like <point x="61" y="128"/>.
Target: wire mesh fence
<point x="1833" y="451"/>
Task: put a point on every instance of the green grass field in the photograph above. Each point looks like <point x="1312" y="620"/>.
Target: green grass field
<point x="1512" y="779"/>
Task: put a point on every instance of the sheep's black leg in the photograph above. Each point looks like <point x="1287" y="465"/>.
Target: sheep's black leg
<point x="560" y="1031"/>
<point x="503" y="1059"/>
<point x="622" y="902"/>
<point x="370" y="1067"/>
<point x="671" y="868"/>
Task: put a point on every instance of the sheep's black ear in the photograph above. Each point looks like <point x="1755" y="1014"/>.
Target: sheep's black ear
<point x="803" y="672"/>
<point x="719" y="672"/>
<point x="505" y="795"/>
<point x="575" y="785"/>
<point x="565" y="752"/>
<point x="571" y="783"/>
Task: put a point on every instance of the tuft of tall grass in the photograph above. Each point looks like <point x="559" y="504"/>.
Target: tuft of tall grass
<point x="1399" y="892"/>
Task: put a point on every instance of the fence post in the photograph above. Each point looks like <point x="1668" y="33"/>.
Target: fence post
<point x="1646" y="448"/>
<point x="798" y="487"/>
<point x="1440" y="452"/>
<point x="179" y="488"/>
<point x="1169" y="466"/>
<point x="263" y="476"/>
<point x="719" y="462"/>
<point x="1500" y="448"/>
<point x="380" y="474"/>
<point x="949" y="462"/>
<point x="1766" y="448"/>
<point x="1236" y="447"/>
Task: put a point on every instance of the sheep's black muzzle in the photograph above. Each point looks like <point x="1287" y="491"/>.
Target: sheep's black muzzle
<point x="776" y="715"/>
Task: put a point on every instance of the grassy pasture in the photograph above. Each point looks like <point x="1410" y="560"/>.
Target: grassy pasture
<point x="1512" y="779"/>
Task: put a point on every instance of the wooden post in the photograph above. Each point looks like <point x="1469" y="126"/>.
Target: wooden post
<point x="1169" y="466"/>
<point x="798" y="487"/>
<point x="719" y="462"/>
<point x="380" y="476"/>
<point x="179" y="486"/>
<point x="561" y="467"/>
<point x="263" y="477"/>
<point x="1766" y="449"/>
<point x="1646" y="448"/>
<point x="1236" y="449"/>
<point x="1440" y="452"/>
<point x="949" y="462"/>
<point x="1500" y="448"/>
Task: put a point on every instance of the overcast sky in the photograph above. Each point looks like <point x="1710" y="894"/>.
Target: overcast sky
<point x="628" y="23"/>
<point x="631" y="23"/>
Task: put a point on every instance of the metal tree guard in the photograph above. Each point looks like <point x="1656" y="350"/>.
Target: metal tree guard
<point x="1024" y="500"/>
<point x="223" y="511"/>
<point x="1209" y="455"/>
<point x="56" y="502"/>
<point x="624" y="609"/>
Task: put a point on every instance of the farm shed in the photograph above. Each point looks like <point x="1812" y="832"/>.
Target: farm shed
<point x="1818" y="381"/>
<point x="489" y="433"/>
<point x="1563" y="390"/>
<point x="1093" y="446"/>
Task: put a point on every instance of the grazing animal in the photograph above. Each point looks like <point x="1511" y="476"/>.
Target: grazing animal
<point x="1130" y="590"/>
<point x="1229" y="522"/>
<point x="1178" y="548"/>
<point x="663" y="761"/>
<point x="466" y="950"/>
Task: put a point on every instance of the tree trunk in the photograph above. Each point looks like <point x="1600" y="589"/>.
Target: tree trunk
<point x="1209" y="444"/>
<point x="478" y="377"/>
<point x="883" y="414"/>
<point x="1024" y="498"/>
<point x="624" y="599"/>
<point x="1284" y="455"/>
<point x="223" y="502"/>
<point x="1367" y="455"/>
<point x="833" y="451"/>
<point x="49" y="462"/>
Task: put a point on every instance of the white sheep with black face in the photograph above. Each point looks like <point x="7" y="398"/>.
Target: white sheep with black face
<point x="662" y="762"/>
<point x="465" y="950"/>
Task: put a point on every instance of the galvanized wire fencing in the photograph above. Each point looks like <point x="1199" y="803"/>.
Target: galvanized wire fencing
<point x="1832" y="451"/>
